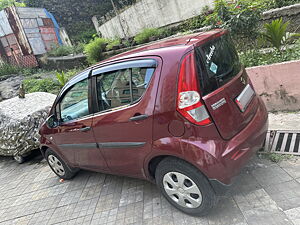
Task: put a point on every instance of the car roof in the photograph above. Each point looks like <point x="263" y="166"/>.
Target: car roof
<point x="169" y="45"/>
<point x="180" y="42"/>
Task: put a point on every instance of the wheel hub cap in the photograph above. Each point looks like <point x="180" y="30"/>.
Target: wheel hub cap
<point x="182" y="190"/>
<point x="56" y="165"/>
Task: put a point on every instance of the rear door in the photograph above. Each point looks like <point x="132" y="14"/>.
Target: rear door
<point x="225" y="86"/>
<point x="122" y="126"/>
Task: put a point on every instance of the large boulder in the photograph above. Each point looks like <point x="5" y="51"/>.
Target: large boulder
<point x="20" y="119"/>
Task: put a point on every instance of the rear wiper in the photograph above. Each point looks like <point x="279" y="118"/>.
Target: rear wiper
<point x="224" y="74"/>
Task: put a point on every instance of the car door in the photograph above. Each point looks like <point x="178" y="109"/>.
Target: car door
<point x="125" y="97"/>
<point x="74" y="136"/>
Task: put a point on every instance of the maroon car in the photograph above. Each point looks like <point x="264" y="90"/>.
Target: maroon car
<point x="181" y="113"/>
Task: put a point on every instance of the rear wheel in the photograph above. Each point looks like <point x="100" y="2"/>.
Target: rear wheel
<point x="58" y="166"/>
<point x="185" y="187"/>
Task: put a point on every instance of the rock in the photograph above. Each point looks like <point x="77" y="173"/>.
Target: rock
<point x="20" y="120"/>
<point x="9" y="87"/>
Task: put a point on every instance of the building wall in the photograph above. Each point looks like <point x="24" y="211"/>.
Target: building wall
<point x="278" y="85"/>
<point x="152" y="13"/>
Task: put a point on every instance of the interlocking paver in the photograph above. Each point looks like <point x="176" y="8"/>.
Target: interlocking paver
<point x="264" y="193"/>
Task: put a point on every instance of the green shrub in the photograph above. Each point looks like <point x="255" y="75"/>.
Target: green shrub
<point x="63" y="77"/>
<point x="146" y="34"/>
<point x="7" y="69"/>
<point x="43" y="85"/>
<point x="112" y="43"/>
<point x="281" y="3"/>
<point x="94" y="50"/>
<point x="276" y="34"/>
<point x="65" y="50"/>
<point x="256" y="57"/>
<point x="241" y="17"/>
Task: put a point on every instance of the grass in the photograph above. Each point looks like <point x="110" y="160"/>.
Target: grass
<point x="255" y="57"/>
<point x="275" y="157"/>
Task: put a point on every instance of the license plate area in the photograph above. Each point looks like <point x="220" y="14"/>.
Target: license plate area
<point x="245" y="97"/>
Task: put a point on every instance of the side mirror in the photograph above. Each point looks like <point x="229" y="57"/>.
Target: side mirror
<point x="52" y="121"/>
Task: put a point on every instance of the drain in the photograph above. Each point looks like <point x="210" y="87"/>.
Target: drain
<point x="283" y="142"/>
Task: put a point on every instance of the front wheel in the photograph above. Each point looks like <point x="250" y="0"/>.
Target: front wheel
<point x="185" y="187"/>
<point x="58" y="166"/>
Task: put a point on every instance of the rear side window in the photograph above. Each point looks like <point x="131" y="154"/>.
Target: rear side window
<point x="217" y="63"/>
<point x="122" y="87"/>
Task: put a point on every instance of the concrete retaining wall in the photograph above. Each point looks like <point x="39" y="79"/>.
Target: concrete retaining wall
<point x="288" y="13"/>
<point x="278" y="85"/>
<point x="151" y="13"/>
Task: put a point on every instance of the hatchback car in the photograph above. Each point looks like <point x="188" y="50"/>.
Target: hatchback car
<point x="181" y="113"/>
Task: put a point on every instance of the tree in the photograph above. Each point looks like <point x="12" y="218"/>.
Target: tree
<point x="6" y="3"/>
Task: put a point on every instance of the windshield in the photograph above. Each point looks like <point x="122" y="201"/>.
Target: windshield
<point x="220" y="62"/>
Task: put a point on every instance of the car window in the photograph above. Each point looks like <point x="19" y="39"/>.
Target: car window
<point x="75" y="102"/>
<point x="221" y="63"/>
<point x="122" y="87"/>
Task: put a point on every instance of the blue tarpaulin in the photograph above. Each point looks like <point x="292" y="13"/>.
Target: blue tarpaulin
<point x="56" y="26"/>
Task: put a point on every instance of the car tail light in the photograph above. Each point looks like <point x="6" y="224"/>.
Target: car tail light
<point x="189" y="103"/>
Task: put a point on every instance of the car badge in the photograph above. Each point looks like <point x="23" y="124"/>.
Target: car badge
<point x="243" y="80"/>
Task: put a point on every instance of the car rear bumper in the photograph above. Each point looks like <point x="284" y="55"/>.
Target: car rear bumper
<point x="239" y="150"/>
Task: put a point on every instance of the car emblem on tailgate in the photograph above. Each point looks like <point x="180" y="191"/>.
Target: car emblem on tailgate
<point x="243" y="80"/>
<point x="218" y="104"/>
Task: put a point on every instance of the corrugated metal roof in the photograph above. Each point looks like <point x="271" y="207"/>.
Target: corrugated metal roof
<point x="5" y="28"/>
<point x="26" y="12"/>
<point x="29" y="23"/>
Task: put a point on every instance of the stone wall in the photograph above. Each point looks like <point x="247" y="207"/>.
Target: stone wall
<point x="288" y="13"/>
<point x="151" y="13"/>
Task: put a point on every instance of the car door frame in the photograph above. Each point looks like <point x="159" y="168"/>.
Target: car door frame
<point x="116" y="66"/>
<point x="57" y="111"/>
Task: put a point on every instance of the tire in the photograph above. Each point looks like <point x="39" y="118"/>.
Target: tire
<point x="19" y="159"/>
<point x="185" y="187"/>
<point x="58" y="166"/>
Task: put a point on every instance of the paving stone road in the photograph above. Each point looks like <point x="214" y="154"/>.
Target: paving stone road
<point x="265" y="193"/>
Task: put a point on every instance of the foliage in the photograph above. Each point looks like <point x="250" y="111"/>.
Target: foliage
<point x="65" y="50"/>
<point x="7" y="69"/>
<point x="61" y="78"/>
<point x="281" y="3"/>
<point x="94" y="49"/>
<point x="256" y="57"/>
<point x="6" y="3"/>
<point x="112" y="43"/>
<point x="145" y="35"/>
<point x="241" y="17"/>
<point x="83" y="35"/>
<point x="41" y="85"/>
<point x="64" y="76"/>
<point x="276" y="158"/>
<point x="276" y="34"/>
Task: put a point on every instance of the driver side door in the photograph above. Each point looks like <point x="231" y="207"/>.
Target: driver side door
<point x="74" y="136"/>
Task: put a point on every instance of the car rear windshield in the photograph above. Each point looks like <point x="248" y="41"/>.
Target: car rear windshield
<point x="217" y="62"/>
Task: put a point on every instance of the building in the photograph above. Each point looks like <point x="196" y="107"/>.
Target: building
<point x="26" y="33"/>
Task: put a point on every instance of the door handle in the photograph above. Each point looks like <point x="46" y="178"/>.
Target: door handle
<point x="139" y="117"/>
<point x="85" y="129"/>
